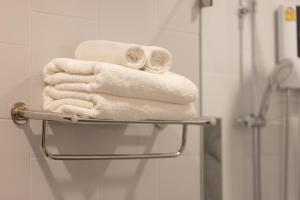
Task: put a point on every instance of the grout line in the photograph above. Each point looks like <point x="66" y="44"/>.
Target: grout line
<point x="29" y="70"/>
<point x="5" y="119"/>
<point x="29" y="25"/>
<point x="30" y="177"/>
<point x="62" y="15"/>
<point x="223" y="75"/>
<point x="99" y="18"/>
<point x="156" y="180"/>
<point x="156" y="14"/>
<point x="13" y="43"/>
<point x="158" y="187"/>
<point x="168" y="30"/>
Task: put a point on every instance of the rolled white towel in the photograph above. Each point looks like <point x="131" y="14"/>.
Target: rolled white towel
<point x="95" y="77"/>
<point x="125" y="54"/>
<point x="159" y="60"/>
<point x="113" y="107"/>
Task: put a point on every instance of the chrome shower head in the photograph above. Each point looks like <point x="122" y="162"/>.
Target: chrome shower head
<point x="281" y="72"/>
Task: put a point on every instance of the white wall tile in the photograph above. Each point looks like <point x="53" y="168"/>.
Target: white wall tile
<point x="265" y="36"/>
<point x="128" y="21"/>
<point x="272" y="138"/>
<point x="179" y="178"/>
<point x="272" y="186"/>
<point x="14" y="79"/>
<point x="293" y="158"/>
<point x="14" y="21"/>
<point x="78" y="8"/>
<point x="129" y="180"/>
<point x="222" y="96"/>
<point x="220" y="38"/>
<point x="179" y="15"/>
<point x="237" y="163"/>
<point x="52" y="180"/>
<point x="54" y="36"/>
<point x="14" y="142"/>
<point x="15" y="179"/>
<point x="237" y="179"/>
<point x="14" y="169"/>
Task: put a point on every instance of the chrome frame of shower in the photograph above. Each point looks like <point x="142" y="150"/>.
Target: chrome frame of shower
<point x="211" y="187"/>
<point x="253" y="121"/>
<point x="206" y="3"/>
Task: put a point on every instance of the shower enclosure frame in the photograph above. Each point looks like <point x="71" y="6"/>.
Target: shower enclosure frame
<point x="211" y="162"/>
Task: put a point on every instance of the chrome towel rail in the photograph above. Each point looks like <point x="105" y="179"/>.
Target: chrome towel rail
<point x="20" y="114"/>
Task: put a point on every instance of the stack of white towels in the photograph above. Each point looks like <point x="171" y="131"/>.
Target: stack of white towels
<point x="118" y="81"/>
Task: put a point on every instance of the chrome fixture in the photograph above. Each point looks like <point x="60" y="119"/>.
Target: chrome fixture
<point x="20" y="114"/>
<point x="251" y="120"/>
<point x="279" y="75"/>
<point x="243" y="11"/>
<point x="206" y="3"/>
<point x="257" y="120"/>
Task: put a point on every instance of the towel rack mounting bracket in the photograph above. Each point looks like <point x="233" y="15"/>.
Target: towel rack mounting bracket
<point x="206" y="3"/>
<point x="16" y="114"/>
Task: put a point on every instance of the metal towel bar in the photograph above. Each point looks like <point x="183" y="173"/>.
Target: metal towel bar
<point x="20" y="114"/>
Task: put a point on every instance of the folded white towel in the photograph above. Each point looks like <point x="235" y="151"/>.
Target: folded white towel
<point x="112" y="107"/>
<point x="128" y="55"/>
<point x="87" y="76"/>
<point x="159" y="60"/>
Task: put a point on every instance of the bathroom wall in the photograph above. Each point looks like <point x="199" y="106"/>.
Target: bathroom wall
<point x="228" y="92"/>
<point x="35" y="31"/>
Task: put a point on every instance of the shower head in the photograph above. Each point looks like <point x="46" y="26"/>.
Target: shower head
<point x="281" y="72"/>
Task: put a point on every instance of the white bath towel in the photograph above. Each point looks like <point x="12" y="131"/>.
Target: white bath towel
<point x="159" y="60"/>
<point x="87" y="76"/>
<point x="129" y="55"/>
<point x="112" y="107"/>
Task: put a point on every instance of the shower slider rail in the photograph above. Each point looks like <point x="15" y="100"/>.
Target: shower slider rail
<point x="20" y="114"/>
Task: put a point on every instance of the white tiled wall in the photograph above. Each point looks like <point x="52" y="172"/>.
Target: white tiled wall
<point x="226" y="92"/>
<point x="35" y="31"/>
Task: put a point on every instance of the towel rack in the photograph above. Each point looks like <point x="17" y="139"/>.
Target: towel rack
<point x="20" y="114"/>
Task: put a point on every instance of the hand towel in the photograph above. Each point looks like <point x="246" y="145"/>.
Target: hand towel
<point x="125" y="54"/>
<point x="158" y="60"/>
<point x="87" y="76"/>
<point x="113" y="107"/>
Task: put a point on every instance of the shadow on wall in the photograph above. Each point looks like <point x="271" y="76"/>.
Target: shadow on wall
<point x="85" y="177"/>
<point x="163" y="24"/>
